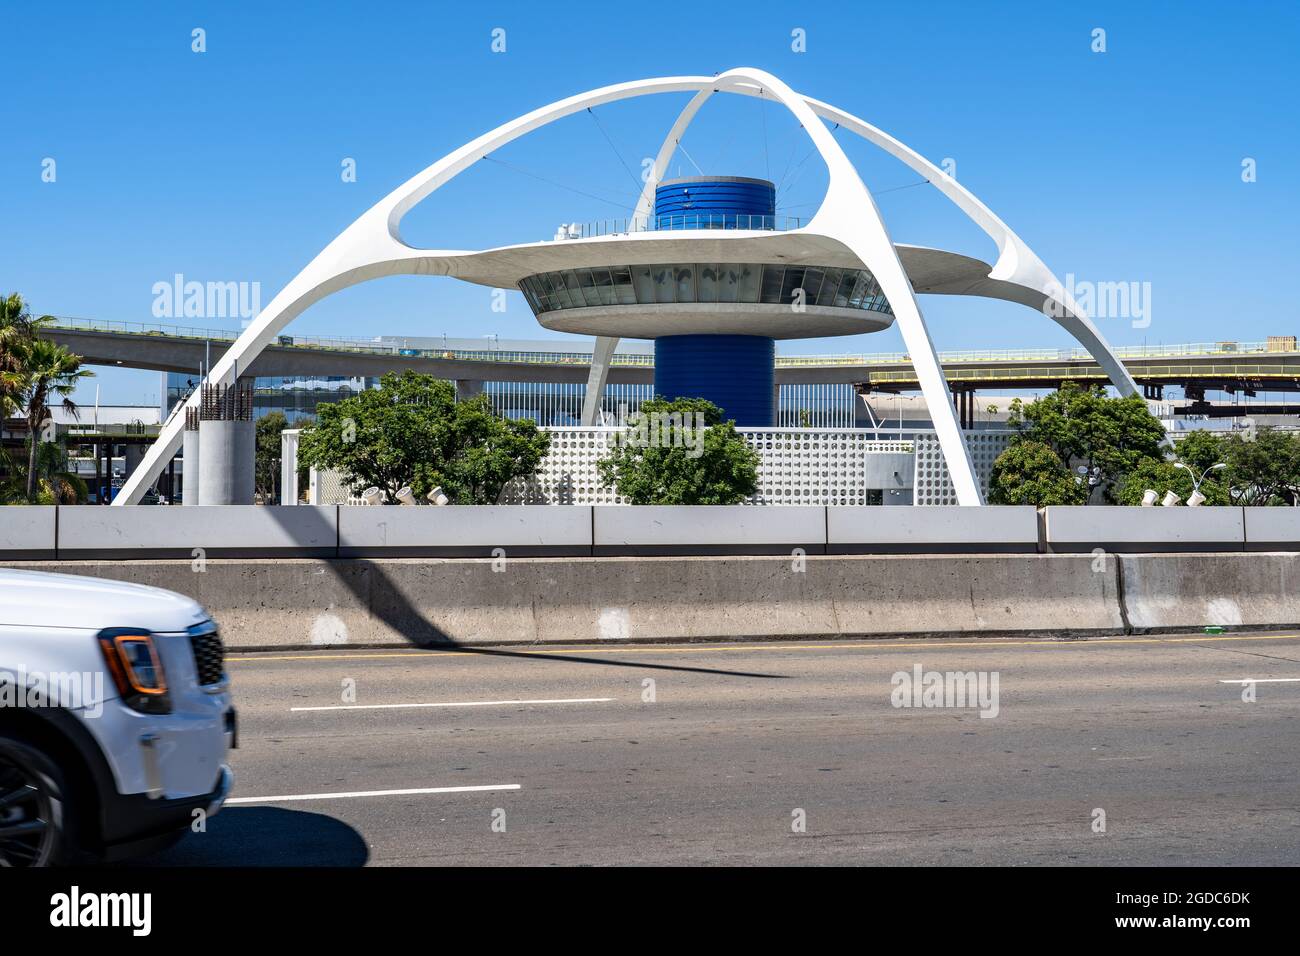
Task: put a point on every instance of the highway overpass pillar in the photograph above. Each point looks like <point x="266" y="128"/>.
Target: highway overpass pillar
<point x="190" y="458"/>
<point x="228" y="439"/>
<point x="132" y="456"/>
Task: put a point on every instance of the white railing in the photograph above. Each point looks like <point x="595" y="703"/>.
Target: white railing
<point x="677" y="222"/>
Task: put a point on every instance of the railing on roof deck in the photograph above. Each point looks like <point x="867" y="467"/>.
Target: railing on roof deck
<point x="677" y="223"/>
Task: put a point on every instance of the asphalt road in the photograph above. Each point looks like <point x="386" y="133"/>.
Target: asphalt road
<point x="738" y="739"/>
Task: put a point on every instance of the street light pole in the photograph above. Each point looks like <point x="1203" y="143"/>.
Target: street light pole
<point x="1196" y="496"/>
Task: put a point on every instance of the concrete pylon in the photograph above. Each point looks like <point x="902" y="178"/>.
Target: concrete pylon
<point x="228" y="439"/>
<point x="132" y="456"/>
<point x="190" y="456"/>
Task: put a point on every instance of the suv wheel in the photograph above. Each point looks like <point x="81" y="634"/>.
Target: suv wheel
<point x="32" y="809"/>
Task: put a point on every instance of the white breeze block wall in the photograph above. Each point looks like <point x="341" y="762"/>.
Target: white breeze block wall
<point x="327" y="488"/>
<point x="797" y="466"/>
<point x="567" y="475"/>
<point x="934" y="486"/>
<point x="831" y="466"/>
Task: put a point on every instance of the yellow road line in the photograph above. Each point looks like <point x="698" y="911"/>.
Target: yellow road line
<point x="884" y="644"/>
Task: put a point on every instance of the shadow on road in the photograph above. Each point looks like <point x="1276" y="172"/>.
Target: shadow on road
<point x="266" y="836"/>
<point x="578" y="658"/>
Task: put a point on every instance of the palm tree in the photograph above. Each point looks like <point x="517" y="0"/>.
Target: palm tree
<point x="17" y="329"/>
<point x="52" y="373"/>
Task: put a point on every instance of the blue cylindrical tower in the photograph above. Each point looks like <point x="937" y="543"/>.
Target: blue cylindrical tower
<point x="715" y="202"/>
<point x="735" y="372"/>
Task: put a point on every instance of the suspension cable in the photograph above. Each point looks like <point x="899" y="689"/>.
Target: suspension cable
<point x="552" y="182"/>
<point x="603" y="132"/>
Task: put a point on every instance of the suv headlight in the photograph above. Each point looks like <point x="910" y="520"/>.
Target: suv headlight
<point x="136" y="668"/>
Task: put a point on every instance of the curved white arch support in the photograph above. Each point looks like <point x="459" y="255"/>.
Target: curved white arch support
<point x="1016" y="264"/>
<point x="604" y="349"/>
<point x="602" y="354"/>
<point x="849" y="214"/>
<point x="372" y="247"/>
<point x="646" y="204"/>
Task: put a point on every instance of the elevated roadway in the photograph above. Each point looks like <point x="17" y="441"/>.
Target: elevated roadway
<point x="1236" y="367"/>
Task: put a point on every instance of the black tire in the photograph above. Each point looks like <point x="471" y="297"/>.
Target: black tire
<point x="35" y="818"/>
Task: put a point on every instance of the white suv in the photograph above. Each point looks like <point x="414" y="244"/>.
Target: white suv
<point x="115" y="718"/>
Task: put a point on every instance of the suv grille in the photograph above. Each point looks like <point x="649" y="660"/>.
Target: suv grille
<point x="209" y="657"/>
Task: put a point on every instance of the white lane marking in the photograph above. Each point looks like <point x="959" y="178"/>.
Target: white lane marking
<point x="1264" y="680"/>
<point x="371" y="793"/>
<point x="461" y="703"/>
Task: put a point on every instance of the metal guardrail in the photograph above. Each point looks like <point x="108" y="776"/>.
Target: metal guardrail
<point x="1178" y="371"/>
<point x="674" y="223"/>
<point x="117" y="430"/>
<point x="1191" y="350"/>
<point x="340" y="344"/>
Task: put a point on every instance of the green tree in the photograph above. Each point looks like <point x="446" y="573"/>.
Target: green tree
<point x="1161" y="476"/>
<point x="266" y="469"/>
<point x="52" y="374"/>
<point x="1264" y="469"/>
<point x="1201" y="449"/>
<point x="665" y="460"/>
<point x="55" y="483"/>
<point x="1085" y="427"/>
<point x="412" y="431"/>
<point x="1031" y="473"/>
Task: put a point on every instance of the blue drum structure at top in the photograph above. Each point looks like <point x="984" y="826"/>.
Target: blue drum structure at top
<point x="715" y="202"/>
<point x="735" y="372"/>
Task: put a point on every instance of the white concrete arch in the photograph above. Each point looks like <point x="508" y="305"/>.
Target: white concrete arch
<point x="1018" y="275"/>
<point x="603" y="351"/>
<point x="1017" y="264"/>
<point x="848" y="213"/>
<point x="372" y="247"/>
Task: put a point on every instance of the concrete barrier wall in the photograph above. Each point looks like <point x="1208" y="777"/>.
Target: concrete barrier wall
<point x="1083" y="528"/>
<point x="519" y="529"/>
<point x="402" y="602"/>
<point x="1272" y="529"/>
<point x="27" y="531"/>
<point x="217" y="529"/>
<point x="934" y="529"/>
<point x="582" y="531"/>
<point x="296" y="602"/>
<point x="725" y="529"/>
<point x="1164" y="592"/>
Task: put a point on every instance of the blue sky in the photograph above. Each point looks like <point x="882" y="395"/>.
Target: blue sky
<point x="225" y="165"/>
